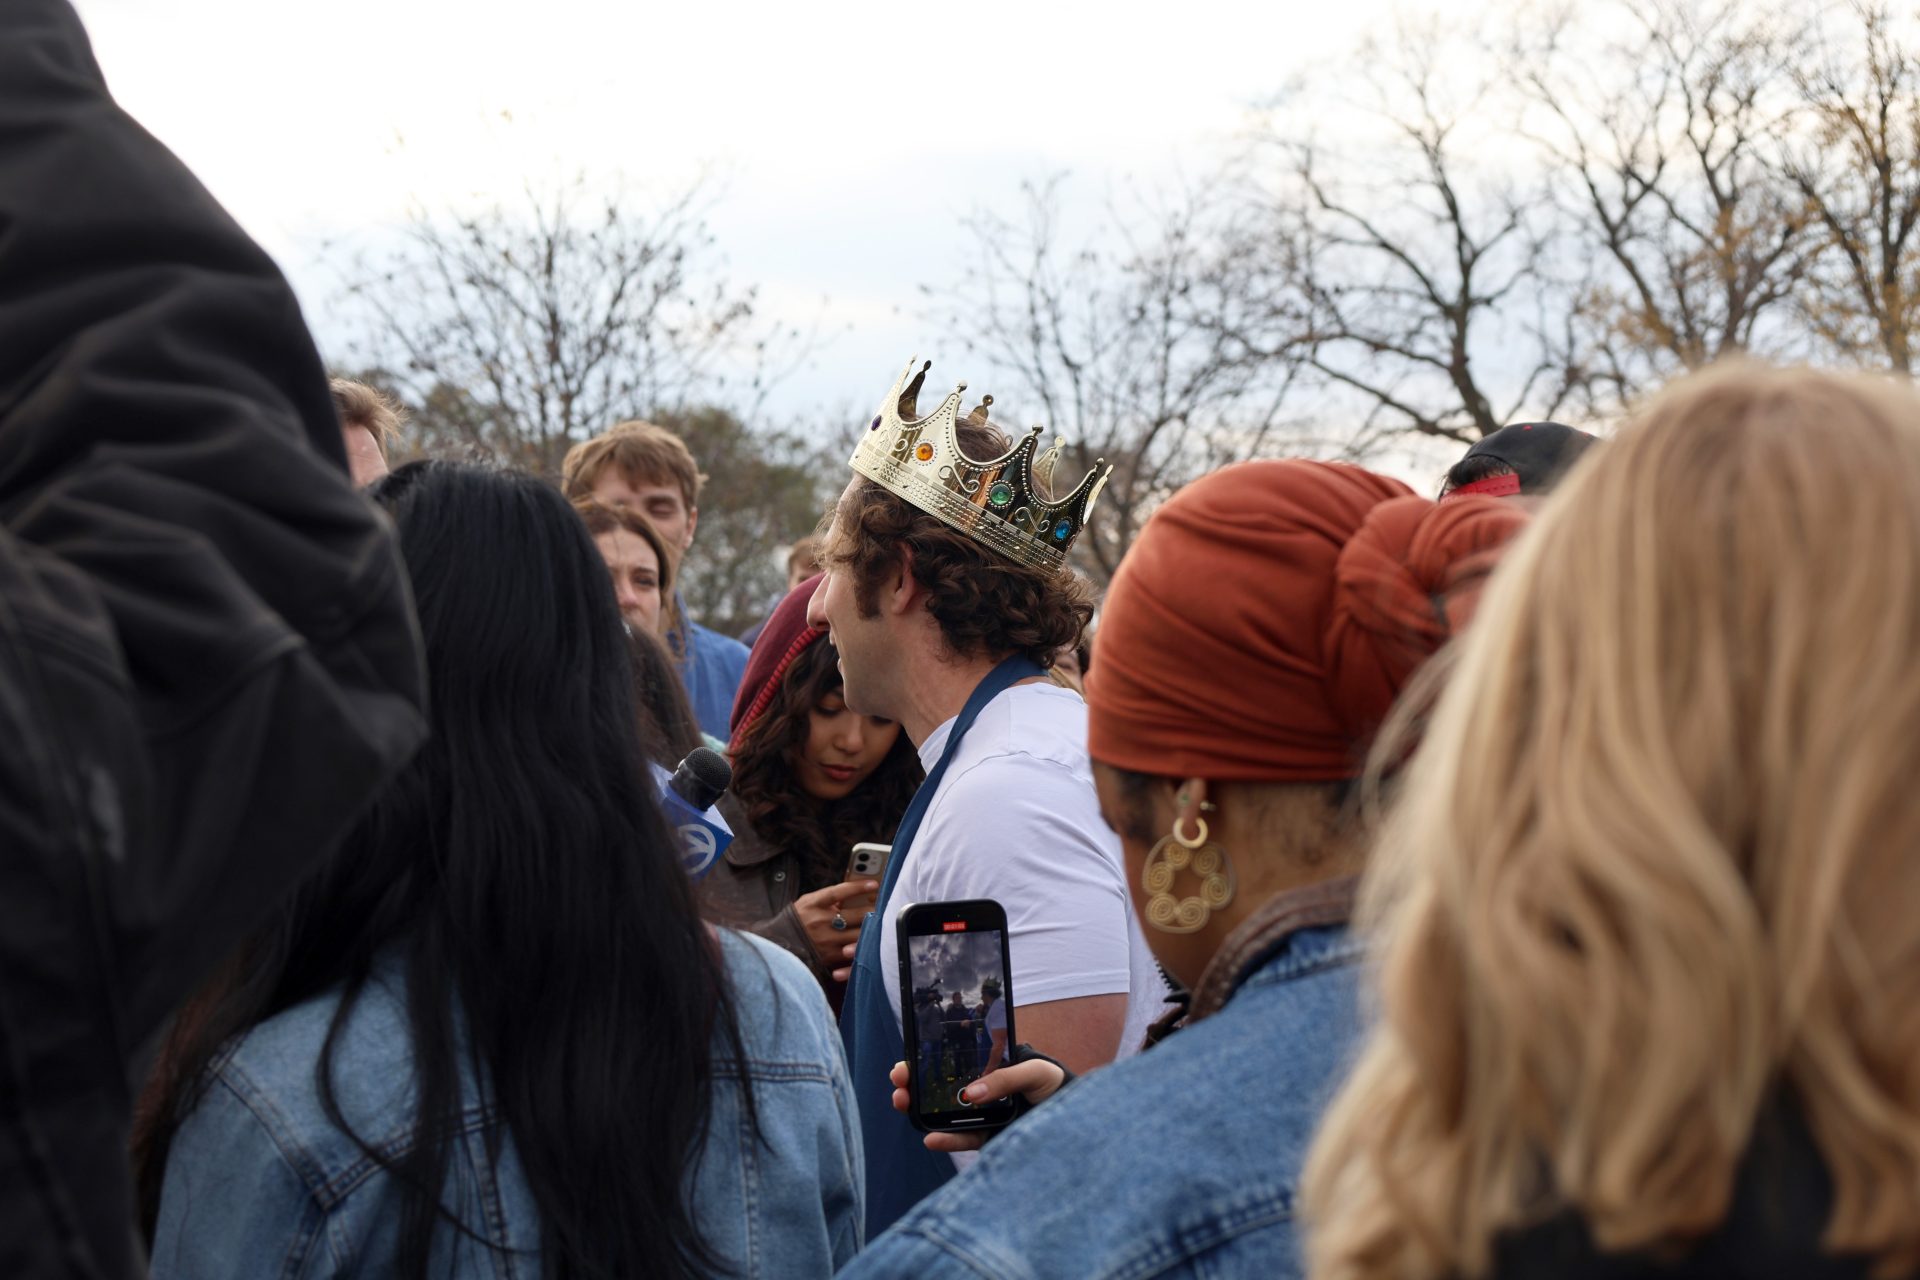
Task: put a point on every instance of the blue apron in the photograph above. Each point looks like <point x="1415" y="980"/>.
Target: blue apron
<point x="900" y="1170"/>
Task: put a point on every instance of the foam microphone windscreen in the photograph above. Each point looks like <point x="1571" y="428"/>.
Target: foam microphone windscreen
<point x="702" y="777"/>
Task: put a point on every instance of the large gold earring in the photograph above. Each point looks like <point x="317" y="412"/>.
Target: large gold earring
<point x="1177" y="852"/>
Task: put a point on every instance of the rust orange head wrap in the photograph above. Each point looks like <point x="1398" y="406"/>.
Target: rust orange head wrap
<point x="1269" y="615"/>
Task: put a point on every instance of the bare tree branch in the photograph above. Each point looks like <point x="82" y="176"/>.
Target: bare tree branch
<point x="1409" y="262"/>
<point x="519" y="331"/>
<point x="1662" y="138"/>
<point x="1123" y="343"/>
<point x="1852" y="152"/>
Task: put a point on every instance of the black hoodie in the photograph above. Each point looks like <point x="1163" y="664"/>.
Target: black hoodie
<point x="208" y="658"/>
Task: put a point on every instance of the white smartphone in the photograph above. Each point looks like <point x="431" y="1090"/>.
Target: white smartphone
<point x="868" y="862"/>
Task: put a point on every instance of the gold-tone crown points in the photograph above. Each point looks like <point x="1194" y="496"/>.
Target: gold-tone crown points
<point x="1005" y="503"/>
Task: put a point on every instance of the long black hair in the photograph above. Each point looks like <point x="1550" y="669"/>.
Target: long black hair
<point x="783" y="814"/>
<point x="522" y="869"/>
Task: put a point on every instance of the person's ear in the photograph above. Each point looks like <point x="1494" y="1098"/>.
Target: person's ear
<point x="1190" y="805"/>
<point x="693" y="522"/>
<point x="1156" y="809"/>
<point x="901" y="591"/>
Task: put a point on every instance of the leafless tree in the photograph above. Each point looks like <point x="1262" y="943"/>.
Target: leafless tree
<point x="517" y="331"/>
<point x="1663" y="137"/>
<point x="1853" y="154"/>
<point x="1420" y="270"/>
<point x="521" y="329"/>
<point x="1129" y="341"/>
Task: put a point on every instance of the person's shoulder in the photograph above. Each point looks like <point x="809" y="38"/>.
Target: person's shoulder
<point x="1103" y="1111"/>
<point x="1303" y="1002"/>
<point x="280" y="1052"/>
<point x="778" y="1004"/>
<point x="1025" y="757"/>
<point x="1192" y="1167"/>
<point x="1029" y="723"/>
<point x="723" y="648"/>
<point x="1034" y="714"/>
<point x="755" y="965"/>
<point x="271" y="1069"/>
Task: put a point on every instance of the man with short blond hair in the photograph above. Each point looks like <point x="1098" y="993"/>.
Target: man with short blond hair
<point x="370" y="423"/>
<point x="648" y="468"/>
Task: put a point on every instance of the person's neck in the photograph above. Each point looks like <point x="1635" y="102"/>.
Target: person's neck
<point x="1280" y="876"/>
<point x="938" y="691"/>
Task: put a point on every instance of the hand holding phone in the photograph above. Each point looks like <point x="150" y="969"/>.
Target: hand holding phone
<point x="1035" y="1080"/>
<point x="829" y="919"/>
<point x="956" y="1002"/>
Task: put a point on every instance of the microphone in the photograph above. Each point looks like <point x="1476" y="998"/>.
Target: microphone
<point x="687" y="803"/>
<point x="702" y="778"/>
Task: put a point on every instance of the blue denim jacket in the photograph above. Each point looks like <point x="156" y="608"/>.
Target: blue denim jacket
<point x="1182" y="1161"/>
<point x="712" y="671"/>
<point x="261" y="1186"/>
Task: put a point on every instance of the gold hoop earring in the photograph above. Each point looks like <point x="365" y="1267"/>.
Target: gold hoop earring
<point x="1177" y="852"/>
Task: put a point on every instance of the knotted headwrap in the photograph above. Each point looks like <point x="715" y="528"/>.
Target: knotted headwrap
<point x="1269" y="614"/>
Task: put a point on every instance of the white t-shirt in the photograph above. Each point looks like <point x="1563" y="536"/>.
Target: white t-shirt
<point x="1016" y="820"/>
<point x="997" y="1016"/>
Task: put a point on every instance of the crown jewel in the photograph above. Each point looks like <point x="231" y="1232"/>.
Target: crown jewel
<point x="1007" y="504"/>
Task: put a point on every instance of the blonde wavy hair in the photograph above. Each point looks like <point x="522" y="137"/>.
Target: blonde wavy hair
<point x="1659" y="852"/>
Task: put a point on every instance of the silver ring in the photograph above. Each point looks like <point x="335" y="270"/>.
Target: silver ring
<point x="839" y="922"/>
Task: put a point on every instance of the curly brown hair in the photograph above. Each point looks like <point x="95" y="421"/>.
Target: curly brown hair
<point x="821" y="832"/>
<point x="986" y="605"/>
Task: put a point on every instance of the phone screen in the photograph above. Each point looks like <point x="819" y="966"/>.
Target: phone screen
<point x="961" y="1024"/>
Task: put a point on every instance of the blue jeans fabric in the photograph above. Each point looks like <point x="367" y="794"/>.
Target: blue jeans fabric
<point x="1183" y="1161"/>
<point x="260" y="1184"/>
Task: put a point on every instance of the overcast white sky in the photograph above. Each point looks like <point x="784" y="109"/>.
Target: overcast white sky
<point x="848" y="138"/>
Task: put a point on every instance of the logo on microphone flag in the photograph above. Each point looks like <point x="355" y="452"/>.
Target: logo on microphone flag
<point x="703" y="836"/>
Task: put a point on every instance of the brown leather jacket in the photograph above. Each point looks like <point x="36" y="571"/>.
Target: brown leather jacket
<point x="753" y="888"/>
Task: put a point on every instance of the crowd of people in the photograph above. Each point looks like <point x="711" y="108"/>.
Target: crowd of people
<point x="959" y="1040"/>
<point x="1513" y="882"/>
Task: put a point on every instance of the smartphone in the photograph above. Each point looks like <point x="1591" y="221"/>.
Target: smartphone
<point x="956" y="1005"/>
<point x="869" y="862"/>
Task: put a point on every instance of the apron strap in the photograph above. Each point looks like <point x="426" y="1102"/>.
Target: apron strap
<point x="900" y="1170"/>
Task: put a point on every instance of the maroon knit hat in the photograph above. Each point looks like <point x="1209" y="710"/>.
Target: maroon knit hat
<point x="782" y="641"/>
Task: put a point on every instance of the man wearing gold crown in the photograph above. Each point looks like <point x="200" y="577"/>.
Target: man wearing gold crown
<point x="947" y="596"/>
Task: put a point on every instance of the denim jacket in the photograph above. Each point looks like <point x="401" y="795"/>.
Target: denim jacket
<point x="1182" y="1161"/>
<point x="261" y="1186"/>
<point x="712" y="670"/>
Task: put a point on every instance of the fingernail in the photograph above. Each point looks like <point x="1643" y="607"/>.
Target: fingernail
<point x="873" y="884"/>
<point x="973" y="1092"/>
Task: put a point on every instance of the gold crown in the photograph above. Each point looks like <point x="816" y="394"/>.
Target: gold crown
<point x="1004" y="503"/>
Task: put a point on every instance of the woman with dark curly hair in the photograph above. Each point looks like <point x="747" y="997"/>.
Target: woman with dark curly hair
<point x="811" y="778"/>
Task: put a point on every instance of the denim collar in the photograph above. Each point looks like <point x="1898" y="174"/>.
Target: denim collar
<point x="1253" y="943"/>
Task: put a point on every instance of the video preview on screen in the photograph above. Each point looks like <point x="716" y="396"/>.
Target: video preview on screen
<point x="959" y="1013"/>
